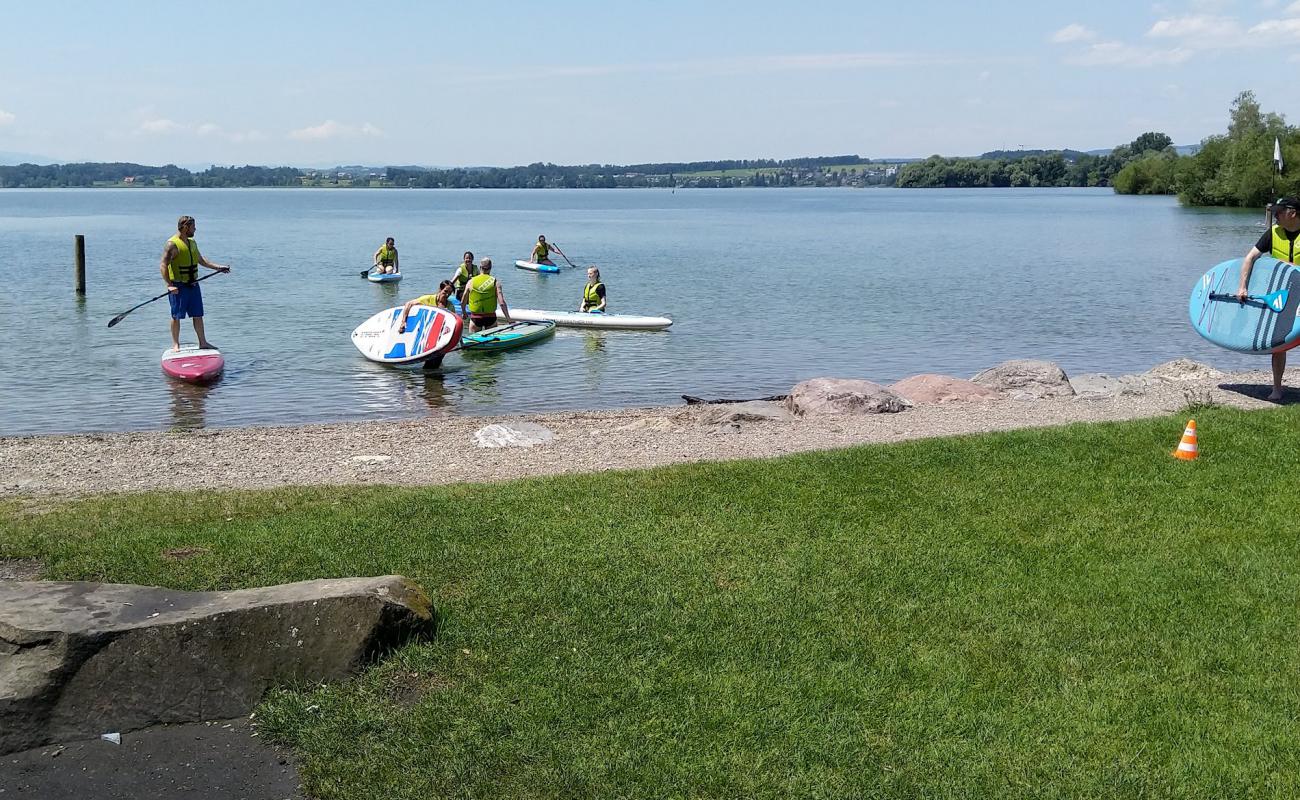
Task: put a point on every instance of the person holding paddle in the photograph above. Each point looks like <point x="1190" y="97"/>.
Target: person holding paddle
<point x="482" y="296"/>
<point x="1281" y="243"/>
<point x="180" y="271"/>
<point x="593" y="294"/>
<point x="542" y="252"/>
<point x="386" y="258"/>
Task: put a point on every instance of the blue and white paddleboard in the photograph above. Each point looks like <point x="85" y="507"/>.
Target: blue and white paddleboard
<point x="1266" y="322"/>
<point x="533" y="266"/>
<point x="384" y="277"/>
<point x="428" y="332"/>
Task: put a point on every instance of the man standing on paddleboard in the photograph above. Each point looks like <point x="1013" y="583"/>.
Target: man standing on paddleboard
<point x="180" y="271"/>
<point x="1281" y="243"/>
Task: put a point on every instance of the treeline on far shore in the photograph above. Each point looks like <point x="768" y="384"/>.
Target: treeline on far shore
<point x="1231" y="169"/>
<point x="844" y="170"/>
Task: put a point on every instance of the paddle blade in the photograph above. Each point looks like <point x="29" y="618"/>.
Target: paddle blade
<point x="1276" y="301"/>
<point x="116" y="320"/>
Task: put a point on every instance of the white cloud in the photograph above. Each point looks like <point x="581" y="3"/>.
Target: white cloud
<point x="6" y="118"/>
<point x="210" y="130"/>
<point x="1293" y="9"/>
<point x="1202" y="27"/>
<point x="329" y="129"/>
<point x="1118" y="54"/>
<point x="1279" y="30"/>
<point x="158" y="126"/>
<point x="1074" y="32"/>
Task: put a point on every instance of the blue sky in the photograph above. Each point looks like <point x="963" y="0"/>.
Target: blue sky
<point x="573" y="81"/>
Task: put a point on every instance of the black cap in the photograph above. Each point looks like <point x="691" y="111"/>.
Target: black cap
<point x="1290" y="202"/>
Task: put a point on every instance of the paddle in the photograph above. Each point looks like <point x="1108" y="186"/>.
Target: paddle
<point x="566" y="258"/>
<point x="1274" y="301"/>
<point x="122" y="316"/>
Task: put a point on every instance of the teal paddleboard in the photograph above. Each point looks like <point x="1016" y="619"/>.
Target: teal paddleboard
<point x="1265" y="322"/>
<point x="507" y="336"/>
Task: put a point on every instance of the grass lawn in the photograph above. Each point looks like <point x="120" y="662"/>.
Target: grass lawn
<point x="1053" y="613"/>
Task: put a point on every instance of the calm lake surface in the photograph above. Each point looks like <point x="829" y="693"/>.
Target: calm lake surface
<point x="767" y="287"/>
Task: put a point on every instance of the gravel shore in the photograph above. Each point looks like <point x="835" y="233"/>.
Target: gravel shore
<point x="441" y="451"/>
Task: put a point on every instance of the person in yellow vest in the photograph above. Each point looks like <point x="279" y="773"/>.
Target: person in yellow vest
<point x="593" y="294"/>
<point x="442" y="299"/>
<point x="463" y="273"/>
<point x="482" y="297"/>
<point x="386" y="257"/>
<point x="542" y="252"/>
<point x="180" y="271"/>
<point x="1282" y="242"/>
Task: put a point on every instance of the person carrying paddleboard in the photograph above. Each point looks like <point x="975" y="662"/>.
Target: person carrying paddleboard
<point x="386" y="257"/>
<point x="440" y="300"/>
<point x="180" y="271"/>
<point x="593" y="294"/>
<point x="1282" y="242"/>
<point x="542" y="252"/>
<point x="463" y="273"/>
<point x="482" y="296"/>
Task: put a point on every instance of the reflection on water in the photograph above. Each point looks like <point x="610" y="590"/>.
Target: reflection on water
<point x="188" y="403"/>
<point x="597" y="359"/>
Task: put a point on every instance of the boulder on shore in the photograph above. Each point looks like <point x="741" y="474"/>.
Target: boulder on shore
<point x="81" y="659"/>
<point x="748" y="411"/>
<point x="821" y="396"/>
<point x="1026" y="379"/>
<point x="1185" y="369"/>
<point x="928" y="389"/>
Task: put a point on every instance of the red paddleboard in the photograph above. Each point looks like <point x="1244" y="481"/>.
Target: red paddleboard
<point x="192" y="364"/>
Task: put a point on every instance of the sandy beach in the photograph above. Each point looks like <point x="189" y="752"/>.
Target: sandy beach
<point x="444" y="450"/>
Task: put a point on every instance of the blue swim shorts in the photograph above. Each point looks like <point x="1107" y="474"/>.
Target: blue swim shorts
<point x="186" y="301"/>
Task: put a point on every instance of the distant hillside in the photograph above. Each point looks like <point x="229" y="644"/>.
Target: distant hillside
<point x="10" y="159"/>
<point x="1016" y="155"/>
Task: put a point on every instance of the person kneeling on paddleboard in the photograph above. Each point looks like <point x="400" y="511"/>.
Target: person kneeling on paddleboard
<point x="593" y="294"/>
<point x="542" y="252"/>
<point x="482" y="296"/>
<point x="180" y="271"/>
<point x="1281" y="243"/>
<point x="440" y="300"/>
<point x="386" y="257"/>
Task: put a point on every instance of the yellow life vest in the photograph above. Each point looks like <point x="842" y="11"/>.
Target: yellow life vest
<point x="387" y="255"/>
<point x="184" y="266"/>
<point x="432" y="300"/>
<point x="1283" y="248"/>
<point x="464" y="272"/>
<point x="590" y="299"/>
<point x="482" y="294"/>
<point x="541" y="252"/>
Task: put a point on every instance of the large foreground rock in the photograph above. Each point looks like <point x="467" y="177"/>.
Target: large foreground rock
<point x="929" y="389"/>
<point x="843" y="396"/>
<point x="81" y="659"/>
<point x="1026" y="379"/>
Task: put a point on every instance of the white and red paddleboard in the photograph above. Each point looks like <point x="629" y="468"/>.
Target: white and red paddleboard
<point x="193" y="364"/>
<point x="429" y="332"/>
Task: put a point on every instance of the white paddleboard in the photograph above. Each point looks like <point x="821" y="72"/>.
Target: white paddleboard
<point x="533" y="266"/>
<point x="581" y="319"/>
<point x="429" y="332"/>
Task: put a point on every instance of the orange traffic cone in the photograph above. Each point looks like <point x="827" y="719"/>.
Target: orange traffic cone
<point x="1187" y="450"/>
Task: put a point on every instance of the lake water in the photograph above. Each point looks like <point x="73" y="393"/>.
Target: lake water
<point x="767" y="287"/>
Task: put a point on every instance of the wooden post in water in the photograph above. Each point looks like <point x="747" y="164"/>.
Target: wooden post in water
<point x="81" y="263"/>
